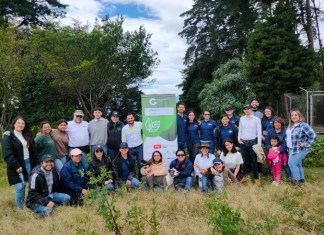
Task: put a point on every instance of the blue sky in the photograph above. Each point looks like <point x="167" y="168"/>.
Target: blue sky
<point x="159" y="18"/>
<point x="130" y="10"/>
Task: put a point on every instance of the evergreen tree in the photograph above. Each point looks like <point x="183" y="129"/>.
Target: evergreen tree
<point x="275" y="61"/>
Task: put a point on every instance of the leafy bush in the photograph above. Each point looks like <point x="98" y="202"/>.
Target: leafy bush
<point x="315" y="157"/>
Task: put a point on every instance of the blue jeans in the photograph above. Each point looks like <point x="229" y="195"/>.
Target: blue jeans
<point x="249" y="158"/>
<point x="185" y="183"/>
<point x="135" y="183"/>
<point x="57" y="198"/>
<point x="205" y="182"/>
<point x="103" y="146"/>
<point x="295" y="164"/>
<point x="112" y="153"/>
<point x="59" y="163"/>
<point x="20" y="188"/>
<point x="110" y="187"/>
<point x="287" y="172"/>
<point x="138" y="153"/>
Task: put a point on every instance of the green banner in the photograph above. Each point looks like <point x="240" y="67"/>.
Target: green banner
<point x="159" y="126"/>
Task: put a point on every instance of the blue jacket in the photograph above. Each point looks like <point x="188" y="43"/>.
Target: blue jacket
<point x="185" y="168"/>
<point x="282" y="138"/>
<point x="231" y="130"/>
<point x="193" y="133"/>
<point x="73" y="179"/>
<point x="207" y="130"/>
<point x="181" y="127"/>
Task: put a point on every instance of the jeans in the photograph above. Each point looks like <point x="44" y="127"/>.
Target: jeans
<point x="110" y="187"/>
<point x="103" y="146"/>
<point x="182" y="145"/>
<point x="20" y="188"/>
<point x="249" y="158"/>
<point x="205" y="182"/>
<point x="112" y="153"/>
<point x="287" y="172"/>
<point x="295" y="164"/>
<point x="185" y="183"/>
<point x="193" y="150"/>
<point x="57" y="198"/>
<point x="138" y="153"/>
<point x="59" y="163"/>
<point x="135" y="183"/>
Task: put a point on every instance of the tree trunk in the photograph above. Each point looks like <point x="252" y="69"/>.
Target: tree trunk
<point x="309" y="27"/>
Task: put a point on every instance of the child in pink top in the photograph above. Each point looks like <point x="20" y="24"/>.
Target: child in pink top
<point x="276" y="159"/>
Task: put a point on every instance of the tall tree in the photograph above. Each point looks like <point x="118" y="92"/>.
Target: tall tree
<point x="275" y="60"/>
<point x="229" y="86"/>
<point x="96" y="67"/>
<point x="29" y="12"/>
<point x="216" y="31"/>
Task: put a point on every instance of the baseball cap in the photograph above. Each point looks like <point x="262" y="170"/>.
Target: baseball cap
<point x="114" y="113"/>
<point x="47" y="157"/>
<point x="247" y="106"/>
<point x="123" y="145"/>
<point x="99" y="146"/>
<point x="228" y="106"/>
<point x="217" y="160"/>
<point x="75" y="152"/>
<point x="78" y="112"/>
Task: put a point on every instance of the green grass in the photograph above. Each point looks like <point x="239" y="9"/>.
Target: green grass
<point x="260" y="210"/>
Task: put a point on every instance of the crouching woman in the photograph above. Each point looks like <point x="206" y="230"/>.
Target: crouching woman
<point x="155" y="171"/>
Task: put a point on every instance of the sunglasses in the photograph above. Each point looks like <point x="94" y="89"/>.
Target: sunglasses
<point x="180" y="155"/>
<point x="99" y="151"/>
<point x="79" y="116"/>
<point x="207" y="114"/>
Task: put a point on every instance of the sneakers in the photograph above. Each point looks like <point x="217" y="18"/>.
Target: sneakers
<point x="257" y="182"/>
<point x="275" y="183"/>
<point x="244" y="179"/>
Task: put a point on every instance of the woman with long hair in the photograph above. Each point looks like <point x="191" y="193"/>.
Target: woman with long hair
<point x="18" y="152"/>
<point x="300" y="137"/>
<point x="192" y="132"/>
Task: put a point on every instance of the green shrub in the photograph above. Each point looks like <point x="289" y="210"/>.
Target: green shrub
<point x="315" y="157"/>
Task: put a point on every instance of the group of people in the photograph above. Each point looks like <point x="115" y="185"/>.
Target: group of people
<point x="238" y="140"/>
<point x="57" y="170"/>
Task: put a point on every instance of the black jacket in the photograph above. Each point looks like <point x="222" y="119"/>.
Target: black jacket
<point x="96" y="167"/>
<point x="118" y="169"/>
<point x="13" y="154"/>
<point x="38" y="189"/>
<point x="114" y="134"/>
<point x="218" y="139"/>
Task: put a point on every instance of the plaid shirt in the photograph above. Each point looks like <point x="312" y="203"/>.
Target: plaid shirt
<point x="302" y="133"/>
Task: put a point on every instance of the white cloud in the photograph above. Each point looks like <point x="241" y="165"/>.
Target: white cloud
<point x="164" y="29"/>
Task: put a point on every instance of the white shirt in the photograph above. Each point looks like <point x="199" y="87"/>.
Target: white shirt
<point x="132" y="135"/>
<point x="24" y="143"/>
<point x="232" y="159"/>
<point x="78" y="133"/>
<point x="250" y="128"/>
<point x="203" y="163"/>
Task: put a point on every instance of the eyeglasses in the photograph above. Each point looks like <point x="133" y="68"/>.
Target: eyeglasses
<point x="180" y="155"/>
<point x="79" y="116"/>
<point x="207" y="114"/>
<point x="99" y="151"/>
<point x="228" y="109"/>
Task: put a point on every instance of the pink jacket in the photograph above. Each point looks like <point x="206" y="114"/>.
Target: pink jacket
<point x="276" y="157"/>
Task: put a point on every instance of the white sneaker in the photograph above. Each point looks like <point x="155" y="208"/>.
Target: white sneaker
<point x="275" y="183"/>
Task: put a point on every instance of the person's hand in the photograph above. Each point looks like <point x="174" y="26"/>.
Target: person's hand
<point x="19" y="170"/>
<point x="237" y="148"/>
<point x="108" y="181"/>
<point x="50" y="204"/>
<point x="84" y="191"/>
<point x="150" y="173"/>
<point x="240" y="142"/>
<point x="203" y="171"/>
<point x="128" y="183"/>
<point x="213" y="171"/>
<point x="285" y="164"/>
<point x="301" y="144"/>
<point x="196" y="165"/>
<point x="219" y="152"/>
<point x="271" y="150"/>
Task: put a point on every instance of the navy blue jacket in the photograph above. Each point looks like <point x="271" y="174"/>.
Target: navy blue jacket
<point x="185" y="168"/>
<point x="181" y="127"/>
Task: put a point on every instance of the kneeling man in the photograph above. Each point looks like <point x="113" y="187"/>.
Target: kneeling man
<point x="43" y="190"/>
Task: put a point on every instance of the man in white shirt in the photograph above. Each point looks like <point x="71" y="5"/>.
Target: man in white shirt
<point x="98" y="131"/>
<point x="132" y="135"/>
<point x="249" y="134"/>
<point x="77" y="130"/>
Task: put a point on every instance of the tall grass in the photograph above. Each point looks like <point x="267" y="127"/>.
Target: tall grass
<point x="253" y="210"/>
